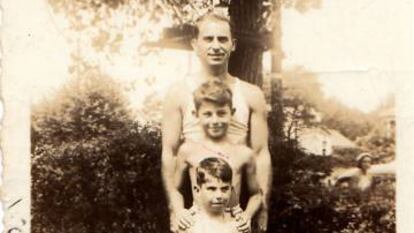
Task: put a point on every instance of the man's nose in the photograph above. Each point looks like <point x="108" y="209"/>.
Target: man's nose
<point x="215" y="44"/>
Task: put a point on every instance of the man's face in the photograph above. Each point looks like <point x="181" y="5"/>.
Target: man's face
<point x="214" y="43"/>
<point x="214" y="194"/>
<point x="214" y="119"/>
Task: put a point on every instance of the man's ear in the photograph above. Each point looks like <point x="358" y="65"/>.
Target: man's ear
<point x="234" y="44"/>
<point x="233" y="110"/>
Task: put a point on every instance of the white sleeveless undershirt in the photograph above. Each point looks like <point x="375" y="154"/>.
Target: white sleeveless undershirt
<point x="238" y="128"/>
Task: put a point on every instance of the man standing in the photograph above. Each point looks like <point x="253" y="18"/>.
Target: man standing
<point x="213" y="44"/>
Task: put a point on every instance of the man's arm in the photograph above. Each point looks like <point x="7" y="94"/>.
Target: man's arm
<point x="177" y="200"/>
<point x="255" y="194"/>
<point x="182" y="217"/>
<point x="259" y="142"/>
<point x="171" y="130"/>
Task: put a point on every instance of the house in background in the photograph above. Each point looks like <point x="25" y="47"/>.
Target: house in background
<point x="322" y="141"/>
<point x="387" y="121"/>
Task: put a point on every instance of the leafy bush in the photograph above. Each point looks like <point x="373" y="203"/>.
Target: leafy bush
<point x="94" y="168"/>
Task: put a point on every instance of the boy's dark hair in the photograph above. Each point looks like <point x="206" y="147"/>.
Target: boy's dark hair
<point x="215" y="167"/>
<point x="213" y="16"/>
<point x="214" y="91"/>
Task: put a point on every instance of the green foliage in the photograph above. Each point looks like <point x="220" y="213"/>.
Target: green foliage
<point x="94" y="168"/>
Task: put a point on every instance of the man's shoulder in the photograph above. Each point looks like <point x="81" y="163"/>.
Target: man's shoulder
<point x="176" y="93"/>
<point x="246" y="86"/>
<point x="252" y="93"/>
<point x="177" y="85"/>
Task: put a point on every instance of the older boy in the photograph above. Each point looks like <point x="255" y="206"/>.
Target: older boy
<point x="214" y="110"/>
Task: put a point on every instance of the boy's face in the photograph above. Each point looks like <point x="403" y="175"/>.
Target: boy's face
<point x="214" y="195"/>
<point x="214" y="119"/>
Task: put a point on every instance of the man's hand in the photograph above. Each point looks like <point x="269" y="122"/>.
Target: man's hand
<point x="173" y="223"/>
<point x="184" y="219"/>
<point x="243" y="223"/>
<point x="262" y="219"/>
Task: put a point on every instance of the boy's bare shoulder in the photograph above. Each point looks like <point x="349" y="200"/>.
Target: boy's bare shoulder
<point x="190" y="148"/>
<point x="186" y="148"/>
<point x="243" y="150"/>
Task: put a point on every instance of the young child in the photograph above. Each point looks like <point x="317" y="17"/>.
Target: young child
<point x="213" y="192"/>
<point x="214" y="110"/>
<point x="362" y="176"/>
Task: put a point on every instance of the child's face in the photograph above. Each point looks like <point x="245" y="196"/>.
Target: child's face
<point x="214" y="195"/>
<point x="214" y="119"/>
<point x="366" y="163"/>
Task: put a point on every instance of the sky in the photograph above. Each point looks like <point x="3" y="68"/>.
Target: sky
<point x="357" y="47"/>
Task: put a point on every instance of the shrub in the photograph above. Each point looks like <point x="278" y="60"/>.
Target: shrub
<point x="94" y="168"/>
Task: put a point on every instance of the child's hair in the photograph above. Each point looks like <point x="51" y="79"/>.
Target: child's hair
<point x="214" y="91"/>
<point x="211" y="16"/>
<point x="215" y="167"/>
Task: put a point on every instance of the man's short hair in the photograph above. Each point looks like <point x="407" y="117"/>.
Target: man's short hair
<point x="215" y="167"/>
<point x="214" y="91"/>
<point x="212" y="16"/>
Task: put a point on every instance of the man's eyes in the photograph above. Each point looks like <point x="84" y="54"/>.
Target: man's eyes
<point x="223" y="39"/>
<point x="208" y="38"/>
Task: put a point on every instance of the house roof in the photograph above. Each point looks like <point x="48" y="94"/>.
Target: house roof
<point x="339" y="140"/>
<point x="335" y="137"/>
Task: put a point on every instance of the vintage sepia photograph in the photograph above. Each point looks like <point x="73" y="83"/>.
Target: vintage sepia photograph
<point x="202" y="116"/>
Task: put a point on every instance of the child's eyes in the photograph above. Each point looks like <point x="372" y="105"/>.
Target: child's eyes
<point x="225" y="189"/>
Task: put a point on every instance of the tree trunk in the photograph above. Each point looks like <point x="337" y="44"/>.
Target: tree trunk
<point x="246" y="61"/>
<point x="276" y="51"/>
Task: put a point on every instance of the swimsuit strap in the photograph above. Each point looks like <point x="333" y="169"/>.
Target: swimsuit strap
<point x="220" y="154"/>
